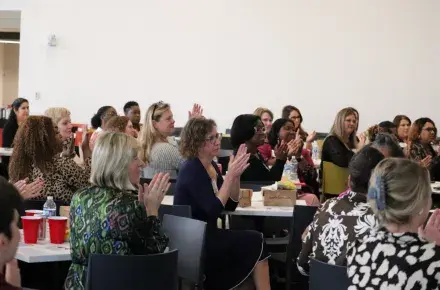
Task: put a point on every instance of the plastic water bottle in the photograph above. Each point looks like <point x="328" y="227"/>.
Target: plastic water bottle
<point x="294" y="174"/>
<point x="49" y="207"/>
<point x="315" y="151"/>
<point x="287" y="172"/>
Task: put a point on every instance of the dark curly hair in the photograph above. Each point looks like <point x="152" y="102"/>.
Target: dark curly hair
<point x="97" y="118"/>
<point x="194" y="135"/>
<point x="117" y="124"/>
<point x="36" y="144"/>
<point x="416" y="129"/>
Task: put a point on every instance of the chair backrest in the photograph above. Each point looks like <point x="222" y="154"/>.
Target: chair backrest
<point x="324" y="276"/>
<point x="115" y="272"/>
<point x="176" y="210"/>
<point x="170" y="191"/>
<point x="301" y="219"/>
<point x="334" y="178"/>
<point x="188" y="236"/>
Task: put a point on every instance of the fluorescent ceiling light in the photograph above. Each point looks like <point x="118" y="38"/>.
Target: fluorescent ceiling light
<point x="9" y="41"/>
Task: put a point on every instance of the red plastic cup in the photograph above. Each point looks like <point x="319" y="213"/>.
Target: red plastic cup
<point x="32" y="212"/>
<point x="57" y="229"/>
<point x="31" y="224"/>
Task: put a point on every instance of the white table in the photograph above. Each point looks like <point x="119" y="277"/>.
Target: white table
<point x="435" y="187"/>
<point x="257" y="208"/>
<point x="43" y="251"/>
<point x="5" y="151"/>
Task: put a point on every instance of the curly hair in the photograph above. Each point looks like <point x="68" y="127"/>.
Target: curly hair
<point x="117" y="124"/>
<point x="36" y="144"/>
<point x="194" y="135"/>
<point x="372" y="132"/>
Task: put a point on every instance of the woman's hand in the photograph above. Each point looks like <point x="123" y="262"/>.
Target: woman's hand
<point x="238" y="163"/>
<point x="362" y="140"/>
<point x="69" y="151"/>
<point x="281" y="151"/>
<point x="152" y="194"/>
<point x="431" y="232"/>
<point x="29" y="190"/>
<point x="85" y="146"/>
<point x="311" y="137"/>
<point x="294" y="148"/>
<point x="426" y="162"/>
<point x="197" y="112"/>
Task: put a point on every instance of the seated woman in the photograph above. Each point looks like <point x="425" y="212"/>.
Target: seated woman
<point x="120" y="124"/>
<point x="249" y="130"/>
<point x="98" y="122"/>
<point x="19" y="113"/>
<point x="36" y="155"/>
<point x="158" y="149"/>
<point x="230" y="255"/>
<point x="265" y="150"/>
<point x="338" y="148"/>
<point x="61" y="119"/>
<point x="422" y="133"/>
<point x="401" y="254"/>
<point x="294" y="114"/>
<point x="403" y="124"/>
<point x="108" y="217"/>
<point x="133" y="112"/>
<point x="283" y="130"/>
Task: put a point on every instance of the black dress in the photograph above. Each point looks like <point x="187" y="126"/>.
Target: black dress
<point x="335" y="151"/>
<point x="258" y="170"/>
<point x="230" y="256"/>
<point x="9" y="132"/>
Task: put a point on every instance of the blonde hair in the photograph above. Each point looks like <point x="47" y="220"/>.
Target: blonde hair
<point x="399" y="189"/>
<point x="260" y="111"/>
<point x="338" y="128"/>
<point x="57" y="113"/>
<point x="111" y="157"/>
<point x="149" y="134"/>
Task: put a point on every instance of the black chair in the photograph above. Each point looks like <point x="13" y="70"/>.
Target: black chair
<point x="188" y="236"/>
<point x="176" y="210"/>
<point x="323" y="276"/>
<point x="115" y="272"/>
<point x="301" y="219"/>
<point x="170" y="191"/>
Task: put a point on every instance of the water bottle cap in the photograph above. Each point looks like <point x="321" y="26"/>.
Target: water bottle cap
<point x="50" y="198"/>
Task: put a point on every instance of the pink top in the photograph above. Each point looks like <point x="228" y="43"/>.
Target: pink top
<point x="265" y="151"/>
<point x="94" y="137"/>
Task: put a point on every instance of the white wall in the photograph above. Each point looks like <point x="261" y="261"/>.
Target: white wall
<point x="232" y="56"/>
<point x="9" y="71"/>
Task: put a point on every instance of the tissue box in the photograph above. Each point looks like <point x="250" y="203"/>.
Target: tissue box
<point x="245" y="198"/>
<point x="279" y="197"/>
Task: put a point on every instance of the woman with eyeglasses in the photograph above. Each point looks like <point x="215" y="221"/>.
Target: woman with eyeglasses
<point x="158" y="149"/>
<point x="99" y="120"/>
<point x="294" y="114"/>
<point x="265" y="150"/>
<point x="421" y="137"/>
<point x="284" y="130"/>
<point x="249" y="130"/>
<point x="230" y="256"/>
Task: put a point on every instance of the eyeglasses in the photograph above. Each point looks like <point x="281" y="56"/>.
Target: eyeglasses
<point x="156" y="105"/>
<point x="213" y="139"/>
<point x="430" y="130"/>
<point x="260" y="129"/>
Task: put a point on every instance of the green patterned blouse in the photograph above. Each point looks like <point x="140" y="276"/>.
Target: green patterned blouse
<point x="107" y="221"/>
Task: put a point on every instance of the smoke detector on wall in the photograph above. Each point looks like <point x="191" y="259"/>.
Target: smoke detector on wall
<point x="52" y="41"/>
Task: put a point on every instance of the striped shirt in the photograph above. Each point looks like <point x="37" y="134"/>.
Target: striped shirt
<point x="164" y="157"/>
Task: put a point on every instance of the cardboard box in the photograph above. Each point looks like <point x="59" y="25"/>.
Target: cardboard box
<point x="245" y="198"/>
<point x="279" y="197"/>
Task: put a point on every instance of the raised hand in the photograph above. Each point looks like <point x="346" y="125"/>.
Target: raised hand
<point x="197" y="112"/>
<point x="12" y="274"/>
<point x="431" y="232"/>
<point x="69" y="151"/>
<point x="426" y="162"/>
<point x="85" y="146"/>
<point x="311" y="137"/>
<point x="152" y="194"/>
<point x="239" y="162"/>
